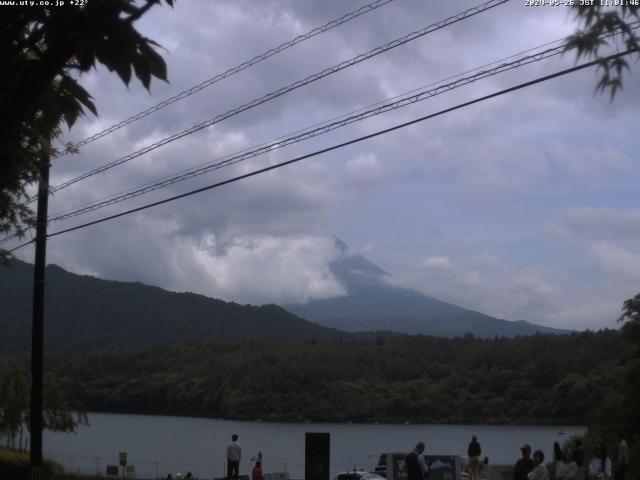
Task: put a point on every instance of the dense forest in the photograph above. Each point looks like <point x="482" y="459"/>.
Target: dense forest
<point x="567" y="379"/>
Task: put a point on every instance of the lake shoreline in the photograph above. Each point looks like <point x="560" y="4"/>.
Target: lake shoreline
<point x="476" y="421"/>
<point x="179" y="444"/>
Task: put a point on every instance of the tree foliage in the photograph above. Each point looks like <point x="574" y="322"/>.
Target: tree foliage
<point x="14" y="404"/>
<point x="43" y="51"/>
<point x="590" y="40"/>
<point x="538" y="379"/>
<point x="631" y="330"/>
<point x="623" y="414"/>
<point x="62" y="412"/>
<point x="631" y="319"/>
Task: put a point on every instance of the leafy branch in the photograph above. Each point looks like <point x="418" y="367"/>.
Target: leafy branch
<point x="595" y="22"/>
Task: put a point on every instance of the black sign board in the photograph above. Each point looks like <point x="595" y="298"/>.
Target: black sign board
<point x="113" y="470"/>
<point x="316" y="456"/>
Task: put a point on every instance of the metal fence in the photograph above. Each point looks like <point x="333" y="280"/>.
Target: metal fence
<point x="150" y="469"/>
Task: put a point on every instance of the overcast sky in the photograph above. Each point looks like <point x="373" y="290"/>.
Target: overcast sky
<point x="521" y="207"/>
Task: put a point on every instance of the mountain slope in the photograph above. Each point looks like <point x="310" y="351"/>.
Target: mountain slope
<point x="373" y="304"/>
<point x="84" y="313"/>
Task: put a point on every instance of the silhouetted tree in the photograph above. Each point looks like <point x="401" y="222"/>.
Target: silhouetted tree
<point x="42" y="52"/>
<point x="595" y="22"/>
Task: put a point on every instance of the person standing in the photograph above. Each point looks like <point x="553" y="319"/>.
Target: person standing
<point x="600" y="466"/>
<point x="568" y="468"/>
<point x="234" y="454"/>
<point x="416" y="466"/>
<point x="558" y="456"/>
<point x="578" y="453"/>
<point x="578" y="457"/>
<point x="623" y="458"/>
<point x="524" y="465"/>
<point x="539" y="471"/>
<point x="256" y="473"/>
<point x="474" y="452"/>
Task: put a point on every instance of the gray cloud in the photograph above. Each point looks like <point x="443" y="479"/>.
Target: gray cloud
<point x="522" y="207"/>
<point x="603" y="222"/>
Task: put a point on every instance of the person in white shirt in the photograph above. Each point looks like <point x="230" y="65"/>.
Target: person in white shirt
<point x="600" y="466"/>
<point x="623" y="458"/>
<point x="234" y="454"/>
<point x="539" y="471"/>
<point x="567" y="469"/>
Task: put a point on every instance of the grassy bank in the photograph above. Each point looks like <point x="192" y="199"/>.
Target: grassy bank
<point x="15" y="465"/>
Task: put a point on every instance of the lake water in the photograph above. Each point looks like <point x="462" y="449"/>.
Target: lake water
<point x="179" y="444"/>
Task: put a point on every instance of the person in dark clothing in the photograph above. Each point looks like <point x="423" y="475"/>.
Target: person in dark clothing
<point x="578" y="453"/>
<point x="416" y="467"/>
<point x="523" y="465"/>
<point x="558" y="456"/>
<point x="474" y="452"/>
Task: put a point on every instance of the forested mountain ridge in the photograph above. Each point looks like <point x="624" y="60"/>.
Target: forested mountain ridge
<point x="84" y="313"/>
<point x="546" y="379"/>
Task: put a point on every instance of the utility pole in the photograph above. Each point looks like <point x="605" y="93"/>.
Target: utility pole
<point x="37" y="332"/>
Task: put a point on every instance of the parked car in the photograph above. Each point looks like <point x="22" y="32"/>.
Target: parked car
<point x="381" y="467"/>
<point x="358" y="475"/>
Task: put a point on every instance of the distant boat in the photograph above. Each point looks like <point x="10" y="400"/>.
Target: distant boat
<point x="561" y="432"/>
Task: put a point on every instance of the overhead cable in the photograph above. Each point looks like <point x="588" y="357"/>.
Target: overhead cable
<point x="232" y="71"/>
<point x="302" y="130"/>
<point x="341" y="145"/>
<point x="399" y="101"/>
<point x="404" y="101"/>
<point x="281" y="91"/>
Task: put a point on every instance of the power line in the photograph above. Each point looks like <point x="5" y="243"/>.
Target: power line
<point x="167" y="180"/>
<point x="10" y="237"/>
<point x="341" y="145"/>
<point x="411" y="97"/>
<point x="399" y="101"/>
<point x="232" y="71"/>
<point x="277" y="140"/>
<point x="405" y="100"/>
<point x="277" y="93"/>
<point x="308" y="133"/>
